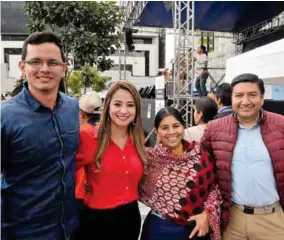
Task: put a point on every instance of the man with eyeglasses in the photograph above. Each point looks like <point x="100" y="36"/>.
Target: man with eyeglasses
<point x="39" y="139"/>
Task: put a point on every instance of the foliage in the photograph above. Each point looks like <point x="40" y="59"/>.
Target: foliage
<point x="90" y="30"/>
<point x="86" y="78"/>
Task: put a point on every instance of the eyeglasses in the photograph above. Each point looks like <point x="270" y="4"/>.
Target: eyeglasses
<point x="36" y="63"/>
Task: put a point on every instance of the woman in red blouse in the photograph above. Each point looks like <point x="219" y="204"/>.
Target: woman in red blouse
<point x="114" y="160"/>
<point x="179" y="185"/>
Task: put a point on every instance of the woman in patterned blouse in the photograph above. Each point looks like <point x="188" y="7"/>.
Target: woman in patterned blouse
<point x="179" y="185"/>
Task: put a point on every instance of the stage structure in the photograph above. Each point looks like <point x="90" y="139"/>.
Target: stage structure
<point x="184" y="45"/>
<point x="131" y="11"/>
<point x="184" y="17"/>
<point x="261" y="29"/>
<point x="183" y="68"/>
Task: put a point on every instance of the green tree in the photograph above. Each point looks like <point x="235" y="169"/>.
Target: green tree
<point x="90" y="30"/>
<point x="84" y="78"/>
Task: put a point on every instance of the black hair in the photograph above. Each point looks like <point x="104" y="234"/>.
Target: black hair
<point x="208" y="107"/>
<point x="42" y="37"/>
<point x="250" y="78"/>
<point x="165" y="112"/>
<point x="93" y="118"/>
<point x="224" y="93"/>
<point x="17" y="90"/>
<point x="202" y="47"/>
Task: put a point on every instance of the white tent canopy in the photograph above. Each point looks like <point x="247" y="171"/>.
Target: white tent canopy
<point x="267" y="62"/>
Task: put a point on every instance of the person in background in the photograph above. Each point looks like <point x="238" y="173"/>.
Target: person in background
<point x="39" y="140"/>
<point x="114" y="159"/>
<point x="8" y="96"/>
<point x="249" y="151"/>
<point x="90" y="106"/>
<point x="223" y="98"/>
<point x="201" y="69"/>
<point x="179" y="185"/>
<point x="205" y="109"/>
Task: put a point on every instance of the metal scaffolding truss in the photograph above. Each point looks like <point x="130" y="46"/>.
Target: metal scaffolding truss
<point x="184" y="44"/>
<point x="131" y="11"/>
<point x="183" y="66"/>
<point x="261" y="29"/>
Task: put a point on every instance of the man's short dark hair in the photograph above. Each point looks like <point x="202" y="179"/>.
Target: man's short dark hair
<point x="42" y="37"/>
<point x="250" y="78"/>
<point x="224" y="93"/>
<point x="208" y="107"/>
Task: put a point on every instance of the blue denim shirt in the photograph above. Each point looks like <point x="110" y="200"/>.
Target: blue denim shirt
<point x="38" y="149"/>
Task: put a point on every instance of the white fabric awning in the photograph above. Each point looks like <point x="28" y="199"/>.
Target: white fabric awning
<point x="267" y="62"/>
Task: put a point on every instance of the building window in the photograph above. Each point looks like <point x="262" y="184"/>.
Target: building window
<point x="142" y="40"/>
<point x="11" y="51"/>
<point x="147" y="63"/>
<point x="14" y="37"/>
<point x="207" y="39"/>
<point x="128" y="68"/>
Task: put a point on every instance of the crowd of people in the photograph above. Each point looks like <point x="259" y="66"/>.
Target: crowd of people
<point x="77" y="169"/>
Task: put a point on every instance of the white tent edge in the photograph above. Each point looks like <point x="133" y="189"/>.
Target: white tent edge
<point x="267" y="62"/>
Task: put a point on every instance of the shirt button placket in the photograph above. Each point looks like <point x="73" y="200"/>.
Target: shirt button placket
<point x="126" y="172"/>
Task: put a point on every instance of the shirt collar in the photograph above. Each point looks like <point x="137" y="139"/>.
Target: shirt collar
<point x="253" y="127"/>
<point x="260" y="120"/>
<point x="225" y="109"/>
<point x="35" y="104"/>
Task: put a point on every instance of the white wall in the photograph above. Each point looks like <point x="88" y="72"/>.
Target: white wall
<point x="7" y="84"/>
<point x="153" y="55"/>
<point x="170" y="49"/>
<point x="137" y="62"/>
<point x="224" y="48"/>
<point x="9" y="44"/>
<point x="137" y="81"/>
<point x="14" y="71"/>
<point x="10" y="74"/>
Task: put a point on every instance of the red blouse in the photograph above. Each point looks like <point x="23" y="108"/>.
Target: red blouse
<point x="121" y="171"/>
<point x="80" y="176"/>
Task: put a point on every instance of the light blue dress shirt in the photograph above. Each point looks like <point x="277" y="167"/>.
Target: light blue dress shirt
<point x="253" y="181"/>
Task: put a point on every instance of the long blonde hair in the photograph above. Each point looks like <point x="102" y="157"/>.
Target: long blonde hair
<point x="135" y="129"/>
